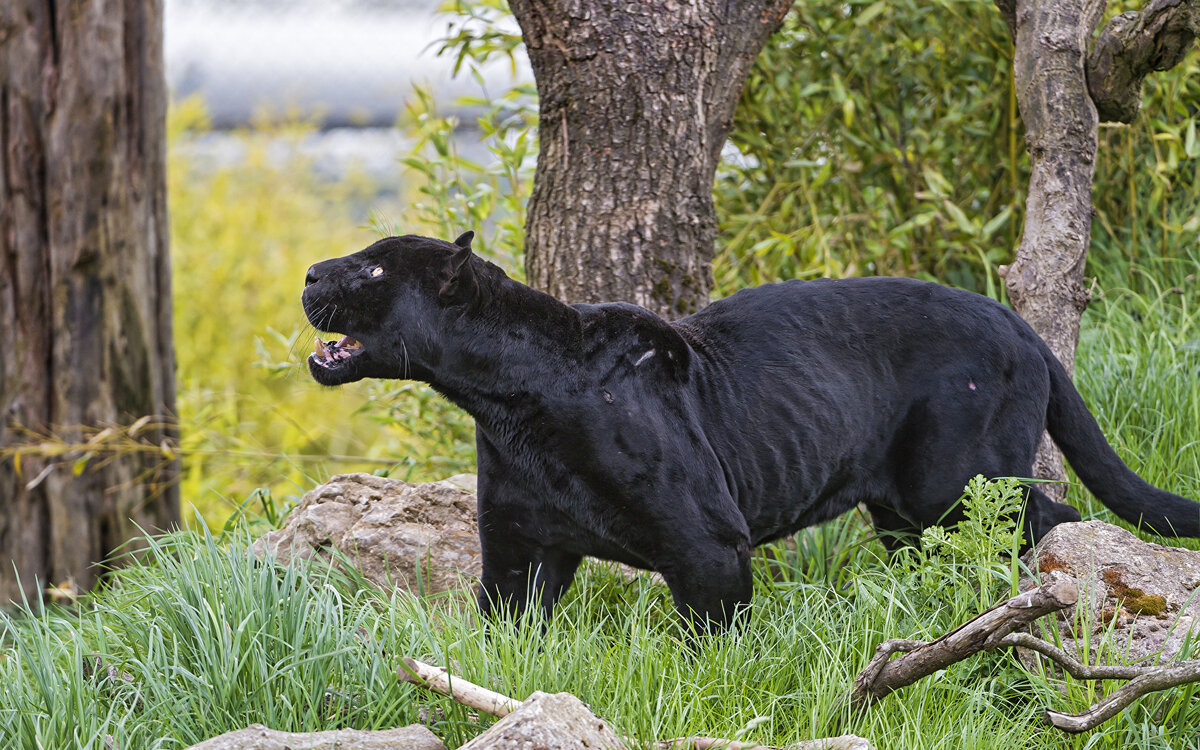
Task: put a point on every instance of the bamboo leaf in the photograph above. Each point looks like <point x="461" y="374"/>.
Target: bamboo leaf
<point x="960" y="218"/>
<point x="870" y="13"/>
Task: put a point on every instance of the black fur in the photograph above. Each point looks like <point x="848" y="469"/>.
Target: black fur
<point x="603" y="430"/>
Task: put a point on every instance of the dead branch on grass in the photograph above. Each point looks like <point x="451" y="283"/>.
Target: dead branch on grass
<point x="994" y="629"/>
<point x="439" y="680"/>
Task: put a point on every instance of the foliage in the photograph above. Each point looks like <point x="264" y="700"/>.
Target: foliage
<point x="882" y="138"/>
<point x="1148" y="186"/>
<point x="456" y="193"/>
<point x="875" y="138"/>
<point x="253" y="227"/>
<point x="986" y="541"/>
<point x="241" y="239"/>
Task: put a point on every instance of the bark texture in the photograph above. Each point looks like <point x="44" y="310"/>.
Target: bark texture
<point x="637" y="98"/>
<point x="1132" y="46"/>
<point x="85" y="299"/>
<point x="1045" y="281"/>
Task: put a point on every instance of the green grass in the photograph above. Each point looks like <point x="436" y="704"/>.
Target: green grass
<point x="203" y="639"/>
<point x="212" y="641"/>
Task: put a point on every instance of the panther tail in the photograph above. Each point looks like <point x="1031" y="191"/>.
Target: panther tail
<point x="1075" y="431"/>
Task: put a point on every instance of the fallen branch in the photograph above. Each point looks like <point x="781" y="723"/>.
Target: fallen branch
<point x="439" y="680"/>
<point x="994" y="629"/>
<point x="1142" y="681"/>
<point x="884" y="675"/>
<point x="469" y="694"/>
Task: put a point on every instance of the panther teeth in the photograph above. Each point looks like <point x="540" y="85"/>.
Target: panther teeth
<point x="328" y="354"/>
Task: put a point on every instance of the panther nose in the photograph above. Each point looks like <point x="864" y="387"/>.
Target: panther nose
<point x="311" y="278"/>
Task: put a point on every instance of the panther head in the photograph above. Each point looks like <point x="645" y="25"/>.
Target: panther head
<point x="391" y="301"/>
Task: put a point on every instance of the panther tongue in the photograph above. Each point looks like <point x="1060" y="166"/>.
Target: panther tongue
<point x="349" y="343"/>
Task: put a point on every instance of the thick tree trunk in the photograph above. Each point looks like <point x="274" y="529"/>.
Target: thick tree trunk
<point x="637" y="99"/>
<point x="85" y="303"/>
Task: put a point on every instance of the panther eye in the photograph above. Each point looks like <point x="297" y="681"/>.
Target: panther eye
<point x="377" y="271"/>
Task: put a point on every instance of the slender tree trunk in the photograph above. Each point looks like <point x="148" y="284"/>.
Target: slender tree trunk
<point x="1045" y="281"/>
<point x="85" y="302"/>
<point x="637" y="98"/>
<point x="1058" y="84"/>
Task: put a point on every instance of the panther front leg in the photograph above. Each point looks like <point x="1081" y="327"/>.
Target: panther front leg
<point x="518" y="569"/>
<point x="517" y="574"/>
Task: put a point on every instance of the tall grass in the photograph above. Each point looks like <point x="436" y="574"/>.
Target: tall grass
<point x="1138" y="368"/>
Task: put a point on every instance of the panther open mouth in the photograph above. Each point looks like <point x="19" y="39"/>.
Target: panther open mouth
<point x="334" y="354"/>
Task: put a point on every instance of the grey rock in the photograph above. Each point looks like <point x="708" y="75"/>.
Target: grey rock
<point x="559" y="721"/>
<point x="422" y="537"/>
<point x="258" y="737"/>
<point x="1146" y="593"/>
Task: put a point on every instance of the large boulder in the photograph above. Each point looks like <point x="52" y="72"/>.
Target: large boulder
<point x="422" y="537"/>
<point x="1146" y="593"/>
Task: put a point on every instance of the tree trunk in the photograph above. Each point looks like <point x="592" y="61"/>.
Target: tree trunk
<point x="1052" y="72"/>
<point x="85" y="302"/>
<point x="637" y="99"/>
<point x="1045" y="281"/>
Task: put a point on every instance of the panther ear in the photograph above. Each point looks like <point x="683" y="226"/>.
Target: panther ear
<point x="461" y="281"/>
<point x="464" y="239"/>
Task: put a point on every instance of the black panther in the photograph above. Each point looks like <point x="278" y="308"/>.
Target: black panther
<point x="605" y="430"/>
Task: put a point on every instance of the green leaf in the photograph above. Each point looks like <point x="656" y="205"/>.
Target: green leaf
<point x="997" y="221"/>
<point x="822" y="176"/>
<point x="960" y="218"/>
<point x="870" y="13"/>
<point x="1190" y="146"/>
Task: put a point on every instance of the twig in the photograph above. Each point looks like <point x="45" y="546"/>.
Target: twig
<point x="469" y="694"/>
<point x="1142" y="681"/>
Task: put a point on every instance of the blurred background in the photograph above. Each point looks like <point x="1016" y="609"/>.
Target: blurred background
<point x="288" y="127"/>
<point x="305" y="129"/>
